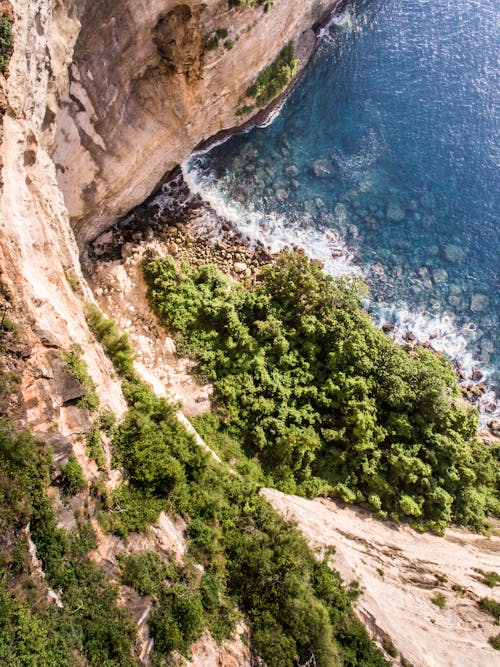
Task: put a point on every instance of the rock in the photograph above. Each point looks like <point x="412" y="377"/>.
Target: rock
<point x="478" y="303"/>
<point x="394" y="212"/>
<point x="239" y="267"/>
<point x="281" y="195"/>
<point x="439" y="276"/>
<point x="409" y="337"/>
<point x="291" y="171"/>
<point x="453" y="253"/>
<point x="173" y="248"/>
<point x="66" y="385"/>
<point x="388" y="327"/>
<point x="427" y="201"/>
<point x="476" y="375"/>
<point x="322" y="168"/>
<point x="60" y="445"/>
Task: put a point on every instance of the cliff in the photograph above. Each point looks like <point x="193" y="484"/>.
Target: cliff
<point x="148" y="82"/>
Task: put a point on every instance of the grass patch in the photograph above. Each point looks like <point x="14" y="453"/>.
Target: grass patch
<point x="439" y="600"/>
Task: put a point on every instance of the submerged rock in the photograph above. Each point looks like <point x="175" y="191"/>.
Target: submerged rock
<point x="478" y="303"/>
<point x="394" y="212"/>
<point x="322" y="168"/>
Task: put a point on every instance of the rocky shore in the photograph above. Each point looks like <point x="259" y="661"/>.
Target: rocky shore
<point x="189" y="230"/>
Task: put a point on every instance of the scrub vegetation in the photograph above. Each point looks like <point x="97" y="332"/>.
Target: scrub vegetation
<point x="327" y="403"/>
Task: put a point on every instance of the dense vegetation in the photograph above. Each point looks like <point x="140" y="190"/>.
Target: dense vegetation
<point x="295" y="606"/>
<point x="87" y="622"/>
<point x="5" y="43"/>
<point x="252" y="560"/>
<point x="274" y="79"/>
<point x="326" y="401"/>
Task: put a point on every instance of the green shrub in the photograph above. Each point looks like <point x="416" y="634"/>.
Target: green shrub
<point x="146" y="572"/>
<point x="275" y="78"/>
<point x="6" y="324"/>
<point x="439" y="600"/>
<point x="389" y="647"/>
<point x="212" y="43"/>
<point x="89" y="628"/>
<point x="5" y="43"/>
<point x="116" y="345"/>
<point x="491" y="606"/>
<point x="94" y="448"/>
<point x="73" y="280"/>
<point x="78" y="368"/>
<point x="495" y="642"/>
<point x="71" y="479"/>
<point x="490" y="579"/>
<point x="305" y="382"/>
<point x="250" y="556"/>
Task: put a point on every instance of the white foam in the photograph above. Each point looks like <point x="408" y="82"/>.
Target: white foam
<point x="273" y="230"/>
<point x="277" y="232"/>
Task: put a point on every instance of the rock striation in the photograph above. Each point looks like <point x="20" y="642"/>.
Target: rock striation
<point x="149" y="81"/>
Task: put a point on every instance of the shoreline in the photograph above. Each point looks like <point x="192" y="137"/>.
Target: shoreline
<point x="190" y="230"/>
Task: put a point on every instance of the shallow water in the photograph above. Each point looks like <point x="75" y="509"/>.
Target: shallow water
<point x="385" y="160"/>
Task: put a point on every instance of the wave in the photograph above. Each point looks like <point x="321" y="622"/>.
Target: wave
<point x="278" y="232"/>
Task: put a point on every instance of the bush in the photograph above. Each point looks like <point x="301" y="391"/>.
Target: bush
<point x="303" y="380"/>
<point x="71" y="479"/>
<point x="94" y="448"/>
<point x="250" y="556"/>
<point x="495" y="642"/>
<point x="78" y="368"/>
<point x="491" y="606"/>
<point x="439" y="600"/>
<point x="275" y="78"/>
<point x="5" y="43"/>
<point x="116" y="345"/>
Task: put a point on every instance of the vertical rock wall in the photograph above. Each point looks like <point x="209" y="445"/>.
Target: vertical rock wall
<point x="145" y="88"/>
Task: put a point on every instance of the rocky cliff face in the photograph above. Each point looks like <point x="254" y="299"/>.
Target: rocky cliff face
<point x="101" y="99"/>
<point x="147" y="82"/>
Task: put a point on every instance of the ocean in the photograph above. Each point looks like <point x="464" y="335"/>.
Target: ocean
<point x="384" y="160"/>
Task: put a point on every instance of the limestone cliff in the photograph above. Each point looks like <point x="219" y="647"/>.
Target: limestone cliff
<point x="148" y="81"/>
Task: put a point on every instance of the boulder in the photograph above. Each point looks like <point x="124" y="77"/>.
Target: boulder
<point x="478" y="303"/>
<point x="239" y="267"/>
<point x="322" y="168"/>
<point x="394" y="212"/>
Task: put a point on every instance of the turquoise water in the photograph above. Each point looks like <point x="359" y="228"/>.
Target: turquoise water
<point x="385" y="160"/>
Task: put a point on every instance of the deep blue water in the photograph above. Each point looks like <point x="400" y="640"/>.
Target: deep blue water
<point x="390" y="141"/>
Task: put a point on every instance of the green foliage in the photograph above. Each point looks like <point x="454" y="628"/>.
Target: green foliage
<point x="491" y="606"/>
<point x="78" y="368"/>
<point x="89" y="628"/>
<point x="439" y="600"/>
<point x="71" y="479"/>
<point x="275" y="78"/>
<point x="94" y="448"/>
<point x="5" y="43"/>
<point x="212" y="43"/>
<point x="250" y="556"/>
<point x="116" y="344"/>
<point x="73" y="280"/>
<point x="495" y="642"/>
<point x="389" y="647"/>
<point x="6" y="324"/>
<point x="146" y="572"/>
<point x="304" y="381"/>
<point x="490" y="579"/>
